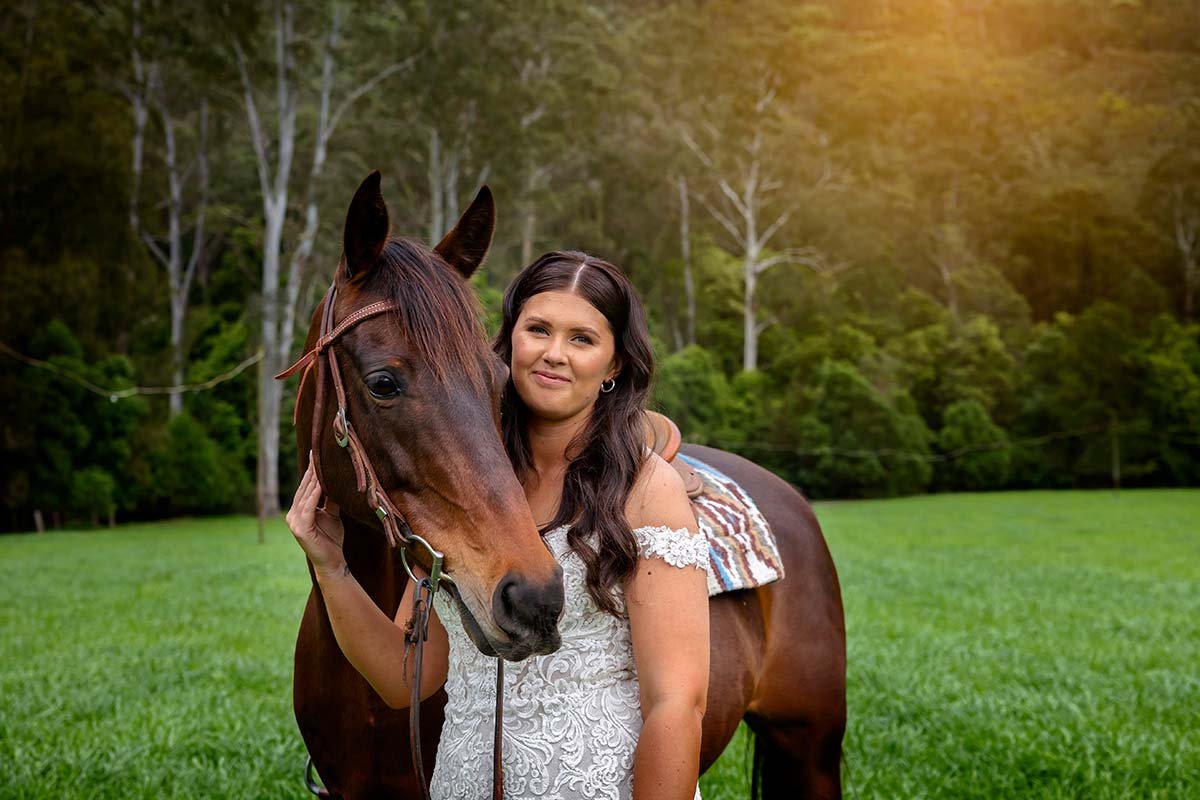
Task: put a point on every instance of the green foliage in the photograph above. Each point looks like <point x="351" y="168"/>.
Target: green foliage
<point x="194" y="475"/>
<point x="977" y="447"/>
<point x="947" y="362"/>
<point x="855" y="439"/>
<point x="93" y="492"/>
<point x="691" y="389"/>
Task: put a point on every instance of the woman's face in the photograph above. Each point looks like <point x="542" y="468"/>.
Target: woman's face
<point x="562" y="350"/>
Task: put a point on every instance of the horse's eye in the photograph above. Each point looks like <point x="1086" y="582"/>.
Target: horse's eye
<point x="382" y="385"/>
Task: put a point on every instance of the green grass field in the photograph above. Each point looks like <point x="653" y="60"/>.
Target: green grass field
<point x="1006" y="645"/>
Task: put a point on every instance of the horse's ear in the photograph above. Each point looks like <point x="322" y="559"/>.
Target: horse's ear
<point x="464" y="247"/>
<point x="366" y="228"/>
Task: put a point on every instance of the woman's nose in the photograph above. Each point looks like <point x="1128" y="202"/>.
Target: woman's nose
<point x="553" y="353"/>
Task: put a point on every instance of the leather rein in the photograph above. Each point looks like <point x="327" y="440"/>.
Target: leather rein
<point x="395" y="528"/>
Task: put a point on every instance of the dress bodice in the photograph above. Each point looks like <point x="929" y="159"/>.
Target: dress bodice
<point x="571" y="718"/>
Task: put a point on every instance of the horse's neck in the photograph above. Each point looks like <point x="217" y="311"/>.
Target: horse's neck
<point x="374" y="564"/>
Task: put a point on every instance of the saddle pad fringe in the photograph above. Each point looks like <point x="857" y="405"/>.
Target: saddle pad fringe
<point x="742" y="552"/>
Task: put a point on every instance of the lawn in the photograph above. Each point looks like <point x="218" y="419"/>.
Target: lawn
<point x="1000" y="645"/>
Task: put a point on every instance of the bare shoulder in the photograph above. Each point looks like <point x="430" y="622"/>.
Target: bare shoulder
<point x="659" y="498"/>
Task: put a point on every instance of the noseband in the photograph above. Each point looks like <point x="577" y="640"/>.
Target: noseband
<point x="395" y="528"/>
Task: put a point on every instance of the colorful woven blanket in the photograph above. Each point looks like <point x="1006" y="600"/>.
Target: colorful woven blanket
<point x="742" y="552"/>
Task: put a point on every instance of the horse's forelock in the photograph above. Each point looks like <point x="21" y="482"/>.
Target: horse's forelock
<point x="438" y="313"/>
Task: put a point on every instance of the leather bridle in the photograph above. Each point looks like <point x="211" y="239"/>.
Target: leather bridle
<point x="395" y="528"/>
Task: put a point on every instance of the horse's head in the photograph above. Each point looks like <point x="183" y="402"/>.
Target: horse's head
<point x="422" y="394"/>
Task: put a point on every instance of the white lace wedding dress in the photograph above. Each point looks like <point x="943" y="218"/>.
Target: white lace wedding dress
<point x="571" y="718"/>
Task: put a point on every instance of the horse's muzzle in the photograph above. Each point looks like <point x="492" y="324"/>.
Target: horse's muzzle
<point x="528" y="613"/>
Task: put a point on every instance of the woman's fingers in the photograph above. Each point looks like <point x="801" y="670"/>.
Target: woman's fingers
<point x="312" y="487"/>
<point x="305" y="502"/>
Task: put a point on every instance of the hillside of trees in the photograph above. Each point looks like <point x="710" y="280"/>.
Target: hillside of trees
<point x="887" y="247"/>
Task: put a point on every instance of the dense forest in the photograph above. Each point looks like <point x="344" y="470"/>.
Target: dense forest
<point x="887" y="246"/>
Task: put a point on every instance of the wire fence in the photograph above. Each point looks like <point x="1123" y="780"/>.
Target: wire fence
<point x="119" y="394"/>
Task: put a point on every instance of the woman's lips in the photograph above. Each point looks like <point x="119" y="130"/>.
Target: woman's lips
<point x="547" y="379"/>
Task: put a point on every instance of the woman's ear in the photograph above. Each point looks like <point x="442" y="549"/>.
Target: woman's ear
<point x="615" y="370"/>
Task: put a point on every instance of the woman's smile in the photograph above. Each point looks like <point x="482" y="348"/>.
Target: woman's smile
<point x="550" y="379"/>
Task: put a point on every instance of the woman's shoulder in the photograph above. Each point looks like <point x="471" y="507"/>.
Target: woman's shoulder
<point x="662" y="519"/>
<point x="658" y="498"/>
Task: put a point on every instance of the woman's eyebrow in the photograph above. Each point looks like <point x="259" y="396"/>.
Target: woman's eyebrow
<point x="549" y="324"/>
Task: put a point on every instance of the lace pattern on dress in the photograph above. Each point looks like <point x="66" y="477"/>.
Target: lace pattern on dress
<point x="571" y="718"/>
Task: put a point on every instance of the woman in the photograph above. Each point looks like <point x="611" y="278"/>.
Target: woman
<point x="616" y="711"/>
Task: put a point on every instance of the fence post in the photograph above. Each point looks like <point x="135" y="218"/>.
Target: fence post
<point x="1114" y="430"/>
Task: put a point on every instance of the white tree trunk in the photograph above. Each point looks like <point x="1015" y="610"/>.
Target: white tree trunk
<point x="137" y="97"/>
<point x="528" y="231"/>
<point x="450" y="193"/>
<point x="437" y="225"/>
<point x="1187" y="240"/>
<point x="685" y="251"/>
<point x="174" y="255"/>
<point x="148" y="89"/>
<point x="279" y="314"/>
<point x="750" y="318"/>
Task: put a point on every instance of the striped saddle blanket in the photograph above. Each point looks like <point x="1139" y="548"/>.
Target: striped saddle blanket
<point x="742" y="552"/>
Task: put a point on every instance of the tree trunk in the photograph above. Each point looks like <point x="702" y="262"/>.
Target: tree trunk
<point x="279" y="315"/>
<point x="528" y="227"/>
<point x="268" y="395"/>
<point x="137" y="98"/>
<point x="39" y="523"/>
<point x="175" y="401"/>
<point x="749" y="321"/>
<point x="450" y="193"/>
<point x="1187" y="239"/>
<point x="437" y="226"/>
<point x="685" y="249"/>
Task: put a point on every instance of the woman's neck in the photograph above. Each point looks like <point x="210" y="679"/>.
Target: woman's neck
<point x="549" y="440"/>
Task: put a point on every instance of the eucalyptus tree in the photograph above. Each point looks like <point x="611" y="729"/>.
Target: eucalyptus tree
<point x="300" y="71"/>
<point x="743" y="130"/>
<point x="162" y="84"/>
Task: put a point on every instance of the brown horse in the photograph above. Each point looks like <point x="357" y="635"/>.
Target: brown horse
<point x="778" y="653"/>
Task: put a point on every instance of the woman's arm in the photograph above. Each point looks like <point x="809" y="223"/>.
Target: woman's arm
<point x="371" y="641"/>
<point x="668" y="622"/>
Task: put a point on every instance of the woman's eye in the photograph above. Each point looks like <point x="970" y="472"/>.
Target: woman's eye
<point x="536" y="329"/>
<point x="584" y="339"/>
<point x="383" y="386"/>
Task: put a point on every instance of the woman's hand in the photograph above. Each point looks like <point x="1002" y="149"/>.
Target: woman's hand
<point x="320" y="534"/>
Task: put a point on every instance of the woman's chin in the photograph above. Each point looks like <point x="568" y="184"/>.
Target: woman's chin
<point x="556" y="412"/>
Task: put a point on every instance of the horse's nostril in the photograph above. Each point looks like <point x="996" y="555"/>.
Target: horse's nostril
<point x="507" y="589"/>
<point x="525" y="610"/>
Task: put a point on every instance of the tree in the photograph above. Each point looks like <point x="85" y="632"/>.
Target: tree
<point x="158" y="83"/>
<point x="274" y="153"/>
<point x="977" y="449"/>
<point x="854" y="439"/>
<point x="1172" y="194"/>
<point x="738" y="132"/>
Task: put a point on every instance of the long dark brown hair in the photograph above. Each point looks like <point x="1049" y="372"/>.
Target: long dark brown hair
<point x="606" y="457"/>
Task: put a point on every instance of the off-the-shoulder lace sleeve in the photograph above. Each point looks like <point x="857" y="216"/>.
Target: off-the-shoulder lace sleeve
<point x="679" y="548"/>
